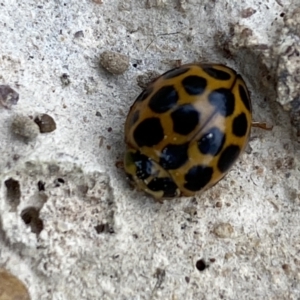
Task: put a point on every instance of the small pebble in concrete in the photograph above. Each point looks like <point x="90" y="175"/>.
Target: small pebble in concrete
<point x="11" y="288"/>
<point x="25" y="127"/>
<point x="8" y="96"/>
<point x="223" y="230"/>
<point x="113" y="62"/>
<point x="144" y="79"/>
<point x="65" y="79"/>
<point x="45" y="122"/>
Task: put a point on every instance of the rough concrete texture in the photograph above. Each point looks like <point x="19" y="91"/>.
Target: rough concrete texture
<point x="71" y="227"/>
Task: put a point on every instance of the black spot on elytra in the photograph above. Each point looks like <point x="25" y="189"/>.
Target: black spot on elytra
<point x="175" y="72"/>
<point x="185" y="119"/>
<point x="174" y="156"/>
<point x="144" y="94"/>
<point x="223" y="100"/>
<point x="149" y="132"/>
<point x="194" y="85"/>
<point x="164" y="99"/>
<point x="217" y="74"/>
<point x="143" y="165"/>
<point x="198" y="177"/>
<point x="228" y="157"/>
<point x="245" y="98"/>
<point x="165" y="184"/>
<point x="212" y="142"/>
<point x="240" y="125"/>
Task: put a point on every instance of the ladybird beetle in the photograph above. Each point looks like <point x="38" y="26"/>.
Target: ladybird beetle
<point x="186" y="129"/>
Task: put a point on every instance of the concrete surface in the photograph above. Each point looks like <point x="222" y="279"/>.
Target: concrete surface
<point x="71" y="227"/>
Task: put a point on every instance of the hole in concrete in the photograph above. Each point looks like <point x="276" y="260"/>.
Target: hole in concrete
<point x="104" y="227"/>
<point x="13" y="192"/>
<point x="100" y="228"/>
<point x="60" y="180"/>
<point x="201" y="265"/>
<point x="41" y="186"/>
<point x="30" y="216"/>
